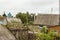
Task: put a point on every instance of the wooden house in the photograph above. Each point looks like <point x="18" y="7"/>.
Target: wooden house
<point x="52" y="21"/>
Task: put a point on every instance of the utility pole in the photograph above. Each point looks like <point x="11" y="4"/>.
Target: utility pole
<point x="51" y="10"/>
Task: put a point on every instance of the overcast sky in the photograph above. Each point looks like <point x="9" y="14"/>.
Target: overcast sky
<point x="32" y="6"/>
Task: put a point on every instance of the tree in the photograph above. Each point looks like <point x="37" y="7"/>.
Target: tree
<point x="22" y="17"/>
<point x="53" y="34"/>
<point x="43" y="36"/>
<point x="44" y="29"/>
<point x="4" y="15"/>
<point x="50" y="36"/>
<point x="25" y="17"/>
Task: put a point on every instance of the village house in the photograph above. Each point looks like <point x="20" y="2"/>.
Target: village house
<point x="10" y="20"/>
<point x="52" y="21"/>
<point x="2" y="20"/>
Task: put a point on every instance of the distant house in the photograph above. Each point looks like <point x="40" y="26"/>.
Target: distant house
<point x="49" y="20"/>
<point x="3" y="20"/>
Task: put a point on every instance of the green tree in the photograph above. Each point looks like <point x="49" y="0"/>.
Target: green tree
<point x="25" y="17"/>
<point x="22" y="16"/>
<point x="44" y="29"/>
<point x="43" y="36"/>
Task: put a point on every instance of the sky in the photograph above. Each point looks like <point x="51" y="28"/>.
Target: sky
<point x="32" y="6"/>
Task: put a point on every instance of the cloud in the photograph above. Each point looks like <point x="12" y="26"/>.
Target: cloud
<point x="34" y="6"/>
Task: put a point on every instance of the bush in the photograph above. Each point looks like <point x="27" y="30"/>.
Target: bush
<point x="43" y="36"/>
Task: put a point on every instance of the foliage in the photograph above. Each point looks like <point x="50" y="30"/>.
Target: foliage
<point x="25" y="17"/>
<point x="53" y="34"/>
<point x="4" y="15"/>
<point x="44" y="36"/>
<point x="44" y="29"/>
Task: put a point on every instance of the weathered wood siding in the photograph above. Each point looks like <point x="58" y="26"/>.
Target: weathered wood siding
<point x="47" y="19"/>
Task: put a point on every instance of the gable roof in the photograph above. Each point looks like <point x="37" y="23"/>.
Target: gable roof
<point x="47" y="19"/>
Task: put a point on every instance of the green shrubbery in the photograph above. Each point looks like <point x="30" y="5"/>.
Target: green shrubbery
<point x="44" y="36"/>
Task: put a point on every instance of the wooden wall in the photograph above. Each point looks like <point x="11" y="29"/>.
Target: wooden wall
<point x="54" y="28"/>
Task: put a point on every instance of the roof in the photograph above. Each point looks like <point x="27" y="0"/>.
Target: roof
<point x="9" y="14"/>
<point x="47" y="19"/>
<point x="5" y="34"/>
